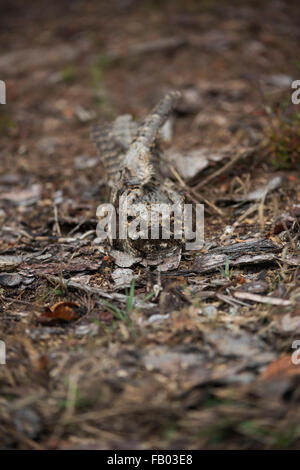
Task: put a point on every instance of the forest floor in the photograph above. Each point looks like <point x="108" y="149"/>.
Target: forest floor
<point x="205" y="360"/>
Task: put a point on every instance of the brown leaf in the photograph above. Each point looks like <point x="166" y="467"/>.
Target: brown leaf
<point x="60" y="312"/>
<point x="240" y="279"/>
<point x="280" y="367"/>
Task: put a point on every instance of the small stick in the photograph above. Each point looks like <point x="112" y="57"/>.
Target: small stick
<point x="197" y="195"/>
<point x="222" y="169"/>
<point x="264" y="299"/>
<point x="57" y="227"/>
<point x="243" y="216"/>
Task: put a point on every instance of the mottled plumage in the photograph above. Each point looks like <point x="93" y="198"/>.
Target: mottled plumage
<point x="130" y="155"/>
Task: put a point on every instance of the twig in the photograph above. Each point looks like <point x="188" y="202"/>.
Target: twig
<point x="190" y="191"/>
<point x="57" y="227"/>
<point x="230" y="301"/>
<point x="245" y="214"/>
<point x="264" y="299"/>
<point x="223" y="168"/>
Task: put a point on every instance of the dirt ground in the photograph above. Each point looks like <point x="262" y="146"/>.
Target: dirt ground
<point x="195" y="357"/>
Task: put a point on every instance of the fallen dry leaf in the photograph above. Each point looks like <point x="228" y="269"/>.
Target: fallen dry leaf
<point x="60" y="312"/>
<point x="280" y="367"/>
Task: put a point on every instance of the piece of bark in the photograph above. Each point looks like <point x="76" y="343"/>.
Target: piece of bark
<point x="253" y="252"/>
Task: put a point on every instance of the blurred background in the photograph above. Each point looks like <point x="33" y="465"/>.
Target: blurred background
<point x="69" y="64"/>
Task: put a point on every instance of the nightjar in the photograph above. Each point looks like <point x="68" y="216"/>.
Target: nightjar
<point x="132" y="160"/>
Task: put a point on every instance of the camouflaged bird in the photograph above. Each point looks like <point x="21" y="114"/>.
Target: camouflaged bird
<point x="132" y="158"/>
